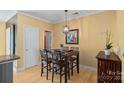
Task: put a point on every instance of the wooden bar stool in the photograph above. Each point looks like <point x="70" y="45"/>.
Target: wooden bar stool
<point x="73" y="60"/>
<point x="46" y="61"/>
<point x="58" y="65"/>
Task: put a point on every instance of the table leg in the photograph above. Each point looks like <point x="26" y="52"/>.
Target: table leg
<point x="78" y="63"/>
<point x="66" y="70"/>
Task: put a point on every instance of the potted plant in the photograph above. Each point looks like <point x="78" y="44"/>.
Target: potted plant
<point x="108" y="43"/>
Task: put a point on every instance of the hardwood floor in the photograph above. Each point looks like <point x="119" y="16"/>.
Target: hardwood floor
<point x="32" y="75"/>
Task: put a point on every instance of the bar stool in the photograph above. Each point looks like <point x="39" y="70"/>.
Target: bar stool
<point x="73" y="60"/>
<point x="46" y="61"/>
<point x="58" y="65"/>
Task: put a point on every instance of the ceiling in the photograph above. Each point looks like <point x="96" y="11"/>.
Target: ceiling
<point x="5" y="15"/>
<point x="56" y="16"/>
<point x="52" y="16"/>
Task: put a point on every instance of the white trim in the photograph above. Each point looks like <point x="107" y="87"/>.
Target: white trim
<point x="11" y="15"/>
<point x="24" y="65"/>
<point x="82" y="68"/>
<point x="15" y="65"/>
<point x="19" y="69"/>
<point x="14" y="69"/>
<point x="43" y="40"/>
<point x="88" y="68"/>
<point x="89" y="14"/>
<point x="24" y="47"/>
<point x="51" y="38"/>
<point x="60" y="21"/>
<point x="41" y="19"/>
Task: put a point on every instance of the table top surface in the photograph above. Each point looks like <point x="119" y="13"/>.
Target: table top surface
<point x="112" y="57"/>
<point x="68" y="52"/>
<point x="5" y="58"/>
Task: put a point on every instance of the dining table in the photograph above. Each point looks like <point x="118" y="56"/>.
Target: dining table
<point x="68" y="54"/>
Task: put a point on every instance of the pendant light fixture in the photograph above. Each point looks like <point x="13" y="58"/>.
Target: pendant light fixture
<point x="66" y="27"/>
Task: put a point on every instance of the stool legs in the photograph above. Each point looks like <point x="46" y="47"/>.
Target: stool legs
<point x="47" y="72"/>
<point x="60" y="74"/>
<point x="78" y="63"/>
<point x="41" y="69"/>
<point x="52" y="73"/>
<point x="72" y="68"/>
<point x="68" y="72"/>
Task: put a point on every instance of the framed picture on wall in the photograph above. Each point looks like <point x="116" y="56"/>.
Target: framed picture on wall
<point x="72" y="36"/>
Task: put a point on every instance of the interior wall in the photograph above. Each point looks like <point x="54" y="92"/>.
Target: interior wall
<point x="59" y="36"/>
<point x="91" y="34"/>
<point x="2" y="38"/>
<point x="120" y="29"/>
<point x="22" y="21"/>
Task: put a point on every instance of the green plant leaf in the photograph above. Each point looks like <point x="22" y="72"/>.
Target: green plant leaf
<point x="109" y="46"/>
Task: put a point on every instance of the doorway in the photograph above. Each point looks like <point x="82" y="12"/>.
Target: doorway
<point x="47" y="40"/>
<point x="31" y="46"/>
<point x="10" y="40"/>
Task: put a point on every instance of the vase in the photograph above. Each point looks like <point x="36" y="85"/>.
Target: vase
<point x="107" y="52"/>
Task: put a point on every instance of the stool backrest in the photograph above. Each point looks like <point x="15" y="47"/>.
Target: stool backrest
<point x="56" y="55"/>
<point x="43" y="54"/>
<point x="65" y="48"/>
<point x="74" y="48"/>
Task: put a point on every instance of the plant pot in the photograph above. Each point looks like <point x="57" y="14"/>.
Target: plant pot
<point x="107" y="52"/>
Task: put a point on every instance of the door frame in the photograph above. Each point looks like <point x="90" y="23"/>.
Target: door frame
<point x="24" y="64"/>
<point x="8" y="41"/>
<point x="51" y="38"/>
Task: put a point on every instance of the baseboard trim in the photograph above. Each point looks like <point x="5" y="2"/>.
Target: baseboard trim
<point x="15" y="65"/>
<point x="18" y="69"/>
<point x="14" y="69"/>
<point x="82" y="67"/>
<point x="88" y="68"/>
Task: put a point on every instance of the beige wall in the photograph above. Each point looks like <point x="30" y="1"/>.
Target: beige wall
<point x="22" y="21"/>
<point x="91" y="37"/>
<point x="2" y="38"/>
<point x="91" y="34"/>
<point x="120" y="29"/>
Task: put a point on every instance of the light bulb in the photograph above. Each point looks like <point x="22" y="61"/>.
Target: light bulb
<point x="66" y="29"/>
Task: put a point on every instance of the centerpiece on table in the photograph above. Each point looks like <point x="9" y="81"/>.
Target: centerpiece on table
<point x="61" y="46"/>
<point x="108" y="43"/>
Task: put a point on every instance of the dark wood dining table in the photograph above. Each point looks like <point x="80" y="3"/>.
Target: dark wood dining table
<point x="68" y="54"/>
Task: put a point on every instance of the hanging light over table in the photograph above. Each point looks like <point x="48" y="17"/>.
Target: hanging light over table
<point x="66" y="27"/>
